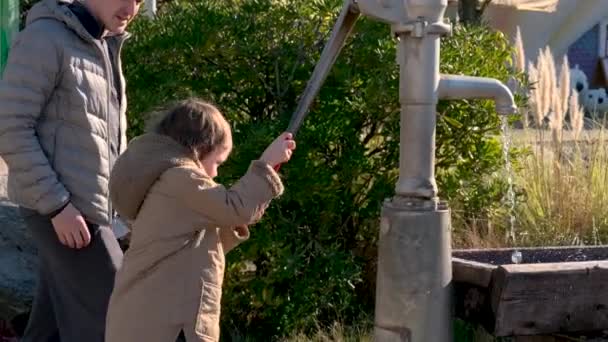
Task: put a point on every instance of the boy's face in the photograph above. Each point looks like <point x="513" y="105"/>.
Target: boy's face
<point x="217" y="157"/>
<point x="115" y="15"/>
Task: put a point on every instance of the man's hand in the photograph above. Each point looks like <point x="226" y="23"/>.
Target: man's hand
<point x="71" y="229"/>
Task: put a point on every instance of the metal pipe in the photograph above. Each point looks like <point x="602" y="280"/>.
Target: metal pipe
<point x="413" y="290"/>
<point x="344" y="24"/>
<point x="418" y="59"/>
<point x="457" y="87"/>
<point x="150" y="6"/>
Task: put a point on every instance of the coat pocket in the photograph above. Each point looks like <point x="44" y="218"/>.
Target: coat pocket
<point x="208" y="316"/>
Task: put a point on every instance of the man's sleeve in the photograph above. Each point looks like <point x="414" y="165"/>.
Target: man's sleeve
<point x="31" y="74"/>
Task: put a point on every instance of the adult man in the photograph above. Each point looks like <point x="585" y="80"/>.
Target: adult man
<point x="62" y="125"/>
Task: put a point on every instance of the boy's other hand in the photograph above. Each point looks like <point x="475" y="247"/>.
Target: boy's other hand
<point x="71" y="228"/>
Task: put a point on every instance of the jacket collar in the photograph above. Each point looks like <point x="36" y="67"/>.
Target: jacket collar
<point x="87" y="20"/>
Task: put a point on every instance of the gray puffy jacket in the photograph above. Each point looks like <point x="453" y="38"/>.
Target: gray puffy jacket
<point x="55" y="105"/>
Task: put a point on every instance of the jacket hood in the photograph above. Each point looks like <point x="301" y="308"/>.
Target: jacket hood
<point x="139" y="167"/>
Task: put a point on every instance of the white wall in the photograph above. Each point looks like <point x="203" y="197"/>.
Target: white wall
<point x="558" y="29"/>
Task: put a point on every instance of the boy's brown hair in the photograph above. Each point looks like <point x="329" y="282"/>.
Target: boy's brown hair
<point x="194" y="123"/>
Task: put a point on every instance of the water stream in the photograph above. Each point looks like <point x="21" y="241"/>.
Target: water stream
<point x="516" y="256"/>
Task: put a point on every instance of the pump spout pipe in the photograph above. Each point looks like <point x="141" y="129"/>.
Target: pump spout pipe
<point x="417" y="177"/>
<point x="457" y="87"/>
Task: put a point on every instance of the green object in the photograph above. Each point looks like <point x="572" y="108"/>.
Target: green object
<point x="9" y="25"/>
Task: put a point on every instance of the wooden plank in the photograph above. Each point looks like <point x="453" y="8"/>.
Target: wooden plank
<point x="472" y="272"/>
<point x="544" y="338"/>
<point x="556" y="267"/>
<point x="536" y="299"/>
<point x="499" y="281"/>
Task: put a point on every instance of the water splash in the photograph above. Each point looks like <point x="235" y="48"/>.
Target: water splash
<point x="516" y="256"/>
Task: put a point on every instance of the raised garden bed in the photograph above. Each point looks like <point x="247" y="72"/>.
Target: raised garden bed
<point x="553" y="290"/>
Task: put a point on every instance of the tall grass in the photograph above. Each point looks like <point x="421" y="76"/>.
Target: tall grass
<point x="565" y="193"/>
<point x="563" y="179"/>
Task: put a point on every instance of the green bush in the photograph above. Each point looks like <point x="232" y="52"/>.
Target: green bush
<point x="314" y="251"/>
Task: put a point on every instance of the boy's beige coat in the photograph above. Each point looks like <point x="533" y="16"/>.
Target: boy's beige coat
<point x="183" y="225"/>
